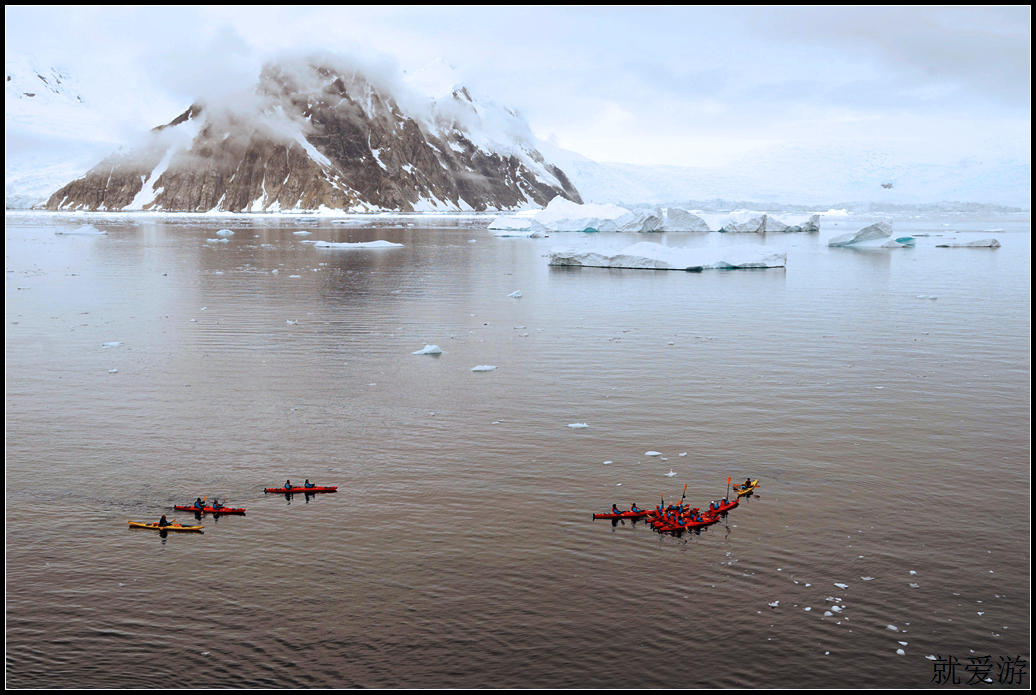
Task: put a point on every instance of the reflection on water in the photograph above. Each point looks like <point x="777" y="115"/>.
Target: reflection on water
<point x="890" y="435"/>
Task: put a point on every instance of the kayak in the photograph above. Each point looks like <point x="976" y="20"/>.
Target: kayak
<point x="722" y="508"/>
<point x="307" y="490"/>
<point x="209" y="510"/>
<point x="623" y="515"/>
<point x="684" y="525"/>
<point x="746" y="489"/>
<point x="170" y="527"/>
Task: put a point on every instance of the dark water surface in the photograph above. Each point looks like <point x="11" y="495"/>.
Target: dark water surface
<point x="891" y="435"/>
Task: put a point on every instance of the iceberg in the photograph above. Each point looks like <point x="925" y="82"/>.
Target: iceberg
<point x="86" y="229"/>
<point x="517" y="294"/>
<point x="980" y="244"/>
<point x="356" y="245"/>
<point x="746" y="222"/>
<point x="483" y="368"/>
<point x="880" y="231"/>
<point x="224" y="232"/>
<point x="649" y="255"/>
<point x="563" y="215"/>
<point x="428" y="350"/>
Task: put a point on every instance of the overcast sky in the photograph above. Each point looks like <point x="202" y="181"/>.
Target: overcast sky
<point x="681" y="86"/>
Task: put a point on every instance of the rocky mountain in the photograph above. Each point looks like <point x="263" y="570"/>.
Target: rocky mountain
<point x="316" y="133"/>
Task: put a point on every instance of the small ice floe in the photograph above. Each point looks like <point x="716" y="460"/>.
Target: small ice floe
<point x="579" y="425"/>
<point x="517" y="294"/>
<point x="275" y="271"/>
<point x="302" y="232"/>
<point x="807" y="608"/>
<point x="980" y="244"/>
<point x="836" y="609"/>
<point x="773" y="605"/>
<point x="291" y="323"/>
<point x="866" y="579"/>
<point x="112" y="344"/>
<point x="913" y="572"/>
<point x="483" y="368"/>
<point x="841" y="586"/>
<point x="224" y="232"/>
<point x="828" y="614"/>
<point x="194" y="320"/>
<point x="914" y="586"/>
<point x="85" y="230"/>
<point x="652" y="453"/>
<point x="472" y="241"/>
<point x="518" y="328"/>
<point x="932" y="657"/>
<point x="981" y="612"/>
<point x="357" y="245"/>
<point x="113" y="371"/>
<point x="903" y="643"/>
<point x="428" y="350"/>
<point x="683" y="454"/>
<point x="892" y="627"/>
<point x="900" y="652"/>
<point x="294" y="276"/>
<point x="607" y="462"/>
<point x="671" y="473"/>
<point x="216" y="241"/>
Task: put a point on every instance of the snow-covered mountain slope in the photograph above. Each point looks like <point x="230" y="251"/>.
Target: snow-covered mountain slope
<point x="316" y="133"/>
<point x="52" y="132"/>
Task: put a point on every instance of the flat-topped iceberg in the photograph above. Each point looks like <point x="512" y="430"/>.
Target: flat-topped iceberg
<point x="877" y="232"/>
<point x="356" y="245"/>
<point x="746" y="222"/>
<point x="979" y="244"/>
<point x="649" y="255"/>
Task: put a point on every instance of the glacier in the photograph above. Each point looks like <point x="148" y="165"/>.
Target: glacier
<point x="649" y="255"/>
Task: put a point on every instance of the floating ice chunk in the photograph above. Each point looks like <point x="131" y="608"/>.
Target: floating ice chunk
<point x="774" y="604"/>
<point x="913" y="572"/>
<point x="900" y="652"/>
<point x="113" y="371"/>
<point x="683" y="454"/>
<point x="511" y="224"/>
<point x="357" y="245"/>
<point x="671" y="473"/>
<point x="224" y="232"/>
<point x="866" y="579"/>
<point x="652" y="453"/>
<point x="649" y="255"/>
<point x="517" y="294"/>
<point x="579" y="425"/>
<point x="807" y="608"/>
<point x="879" y="231"/>
<point x="903" y="643"/>
<point x="302" y="232"/>
<point x="892" y="627"/>
<point x="841" y="586"/>
<point x="914" y="586"/>
<point x="607" y="462"/>
<point x="216" y="241"/>
<point x="290" y="322"/>
<point x="828" y="614"/>
<point x="932" y="657"/>
<point x="294" y="276"/>
<point x="980" y="244"/>
<point x="483" y="368"/>
<point x="429" y="350"/>
<point x="85" y="230"/>
<point x="116" y="343"/>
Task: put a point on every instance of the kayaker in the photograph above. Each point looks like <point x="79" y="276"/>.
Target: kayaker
<point x="634" y="508"/>
<point x="162" y="522"/>
<point x="748" y="484"/>
<point x="216" y="504"/>
<point x="308" y="484"/>
<point x="199" y="504"/>
<point x="615" y="510"/>
<point x="287" y="485"/>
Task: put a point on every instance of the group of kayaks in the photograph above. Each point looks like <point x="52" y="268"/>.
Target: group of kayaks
<point x="199" y="507"/>
<point x="675" y="518"/>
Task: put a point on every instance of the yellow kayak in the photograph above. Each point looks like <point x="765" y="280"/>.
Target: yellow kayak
<point x="170" y="527"/>
<point x="742" y="490"/>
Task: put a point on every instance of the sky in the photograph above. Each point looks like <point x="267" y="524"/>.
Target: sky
<point x="697" y="87"/>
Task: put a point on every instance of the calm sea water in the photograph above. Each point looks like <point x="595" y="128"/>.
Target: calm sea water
<point x="891" y="435"/>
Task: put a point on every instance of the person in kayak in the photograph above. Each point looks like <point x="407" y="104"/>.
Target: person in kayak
<point x="216" y="504"/>
<point x="615" y="510"/>
<point x="308" y="484"/>
<point x="748" y="484"/>
<point x="163" y="523"/>
<point x="287" y="485"/>
<point x="634" y="508"/>
<point x="198" y="504"/>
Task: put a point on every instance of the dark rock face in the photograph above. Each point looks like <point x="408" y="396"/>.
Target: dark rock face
<point x="317" y="136"/>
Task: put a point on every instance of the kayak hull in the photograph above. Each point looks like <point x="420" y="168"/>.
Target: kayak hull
<point x="623" y="515"/>
<point x="209" y="510"/>
<point x="307" y="490"/>
<point x="742" y="490"/>
<point x="171" y="527"/>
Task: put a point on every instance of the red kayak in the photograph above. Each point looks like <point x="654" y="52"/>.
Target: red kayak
<point x="725" y="507"/>
<point x="623" y="515"/>
<point x="307" y="490"/>
<point x="209" y="510"/>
